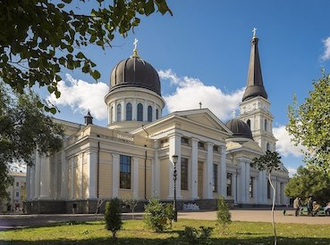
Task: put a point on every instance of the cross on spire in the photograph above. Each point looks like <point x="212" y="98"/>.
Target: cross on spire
<point x="135" y="51"/>
<point x="254" y="32"/>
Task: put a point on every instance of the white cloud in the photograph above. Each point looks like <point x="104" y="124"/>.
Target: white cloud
<point x="190" y="91"/>
<point x="292" y="171"/>
<point x="82" y="96"/>
<point x="284" y="144"/>
<point x="326" y="54"/>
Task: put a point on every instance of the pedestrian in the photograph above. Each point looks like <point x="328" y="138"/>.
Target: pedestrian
<point x="310" y="206"/>
<point x="296" y="206"/>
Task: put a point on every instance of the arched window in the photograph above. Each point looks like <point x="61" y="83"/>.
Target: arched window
<point x="118" y="112"/>
<point x="128" y="112"/>
<point x="248" y="122"/>
<point x="268" y="147"/>
<point x="157" y="116"/>
<point x="266" y="124"/>
<point x="140" y="112"/>
<point x="149" y="113"/>
<point x="111" y="114"/>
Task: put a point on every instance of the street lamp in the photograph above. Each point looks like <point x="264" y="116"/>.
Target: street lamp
<point x="175" y="211"/>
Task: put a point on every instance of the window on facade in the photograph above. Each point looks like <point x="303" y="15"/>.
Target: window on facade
<point x="251" y="186"/>
<point x="17" y="183"/>
<point x="17" y="194"/>
<point x="215" y="177"/>
<point x="140" y="112"/>
<point x="229" y="184"/>
<point x="157" y="114"/>
<point x="268" y="190"/>
<point x="248" y="122"/>
<point x="111" y="114"/>
<point x="268" y="147"/>
<point x="266" y="125"/>
<point x="149" y="113"/>
<point x="125" y="172"/>
<point x="201" y="144"/>
<point x="118" y="112"/>
<point x="184" y="173"/>
<point x="215" y="148"/>
<point x="128" y="112"/>
<point x="184" y="140"/>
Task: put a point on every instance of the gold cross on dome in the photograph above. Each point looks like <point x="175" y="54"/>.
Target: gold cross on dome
<point x="254" y="32"/>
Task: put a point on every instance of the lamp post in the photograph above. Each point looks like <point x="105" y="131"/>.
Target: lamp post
<point x="175" y="211"/>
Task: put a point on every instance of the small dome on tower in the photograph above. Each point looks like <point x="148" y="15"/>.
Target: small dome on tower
<point x="135" y="72"/>
<point x="239" y="128"/>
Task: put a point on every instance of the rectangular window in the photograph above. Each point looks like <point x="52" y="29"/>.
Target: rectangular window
<point x="229" y="184"/>
<point x="17" y="183"/>
<point x="184" y="140"/>
<point x="268" y="190"/>
<point x="17" y="194"/>
<point x="184" y="173"/>
<point x="125" y="172"/>
<point x="251" y="187"/>
<point x="215" y="177"/>
<point x="201" y="145"/>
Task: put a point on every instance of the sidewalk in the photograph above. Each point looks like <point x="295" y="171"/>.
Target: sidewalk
<point x="252" y="215"/>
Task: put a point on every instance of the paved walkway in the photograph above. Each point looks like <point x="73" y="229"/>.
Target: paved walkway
<point x="254" y="215"/>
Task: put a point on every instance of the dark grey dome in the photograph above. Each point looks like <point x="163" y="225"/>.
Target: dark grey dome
<point x="239" y="128"/>
<point x="135" y="72"/>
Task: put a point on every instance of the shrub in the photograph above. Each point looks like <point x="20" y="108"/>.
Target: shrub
<point x="131" y="203"/>
<point x="112" y="216"/>
<point x="154" y="215"/>
<point x="169" y="213"/>
<point x="195" y="236"/>
<point x="223" y="213"/>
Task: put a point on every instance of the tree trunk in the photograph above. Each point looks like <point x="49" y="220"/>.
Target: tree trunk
<point x="273" y="207"/>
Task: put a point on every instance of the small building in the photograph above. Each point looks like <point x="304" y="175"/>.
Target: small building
<point x="132" y="158"/>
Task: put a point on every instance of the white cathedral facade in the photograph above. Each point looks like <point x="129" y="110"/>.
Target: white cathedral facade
<point x="132" y="158"/>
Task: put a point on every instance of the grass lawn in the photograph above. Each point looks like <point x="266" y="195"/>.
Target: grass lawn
<point x="135" y="232"/>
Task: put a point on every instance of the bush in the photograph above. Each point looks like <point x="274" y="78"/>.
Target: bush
<point x="112" y="216"/>
<point x="154" y="215"/>
<point x="195" y="236"/>
<point x="223" y="214"/>
<point x="169" y="213"/>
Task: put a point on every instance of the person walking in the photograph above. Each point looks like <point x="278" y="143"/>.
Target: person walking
<point x="310" y="206"/>
<point x="296" y="205"/>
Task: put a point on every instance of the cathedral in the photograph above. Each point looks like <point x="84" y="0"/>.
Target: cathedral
<point x="140" y="151"/>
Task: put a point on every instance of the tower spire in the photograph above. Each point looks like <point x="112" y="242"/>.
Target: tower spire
<point x="255" y="86"/>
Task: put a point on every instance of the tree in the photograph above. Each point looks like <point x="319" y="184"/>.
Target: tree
<point x="223" y="213"/>
<point x="112" y="216"/>
<point x="309" y="124"/>
<point x="23" y="129"/>
<point x="40" y="38"/>
<point x="269" y="162"/>
<point x="309" y="181"/>
<point x="154" y="215"/>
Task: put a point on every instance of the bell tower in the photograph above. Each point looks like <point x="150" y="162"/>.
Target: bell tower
<point x="254" y="108"/>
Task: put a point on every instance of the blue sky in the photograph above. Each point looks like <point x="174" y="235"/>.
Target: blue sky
<point x="202" y="54"/>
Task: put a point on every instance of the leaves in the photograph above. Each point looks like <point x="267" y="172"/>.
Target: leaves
<point x="268" y="162"/>
<point x="47" y="37"/>
<point x="309" y="123"/>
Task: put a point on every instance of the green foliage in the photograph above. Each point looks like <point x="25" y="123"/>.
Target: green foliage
<point x="309" y="124"/>
<point x="268" y="162"/>
<point x="169" y="213"/>
<point x="132" y="203"/>
<point x="112" y="216"/>
<point x="154" y="215"/>
<point x="308" y="182"/>
<point x="49" y="37"/>
<point x="223" y="213"/>
<point x="23" y="129"/>
<point x="195" y="236"/>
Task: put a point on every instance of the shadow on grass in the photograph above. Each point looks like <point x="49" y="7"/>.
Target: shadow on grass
<point x="174" y="241"/>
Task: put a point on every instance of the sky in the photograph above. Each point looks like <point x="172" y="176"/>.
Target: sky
<point x="202" y="54"/>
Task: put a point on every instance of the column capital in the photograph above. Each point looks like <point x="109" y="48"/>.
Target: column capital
<point x="194" y="139"/>
<point x="175" y="134"/>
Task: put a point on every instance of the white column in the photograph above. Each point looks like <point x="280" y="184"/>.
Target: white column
<point x="115" y="175"/>
<point x="156" y="177"/>
<point x="247" y="180"/>
<point x="260" y="188"/>
<point x="81" y="180"/>
<point x="194" y="168"/>
<point x="92" y="172"/>
<point x="174" y="149"/>
<point x="28" y="185"/>
<point x="37" y="176"/>
<point x="209" y="172"/>
<point x="145" y="111"/>
<point x="45" y="178"/>
<point x="72" y="177"/>
<point x="234" y="187"/>
<point x="134" y="110"/>
<point x="242" y="180"/>
<point x="123" y="105"/>
<point x="277" y="186"/>
<point x="64" y="175"/>
<point x="136" y="178"/>
<point x="223" y="172"/>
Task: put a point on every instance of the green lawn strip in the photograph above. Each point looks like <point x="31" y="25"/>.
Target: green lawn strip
<point x="135" y="232"/>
